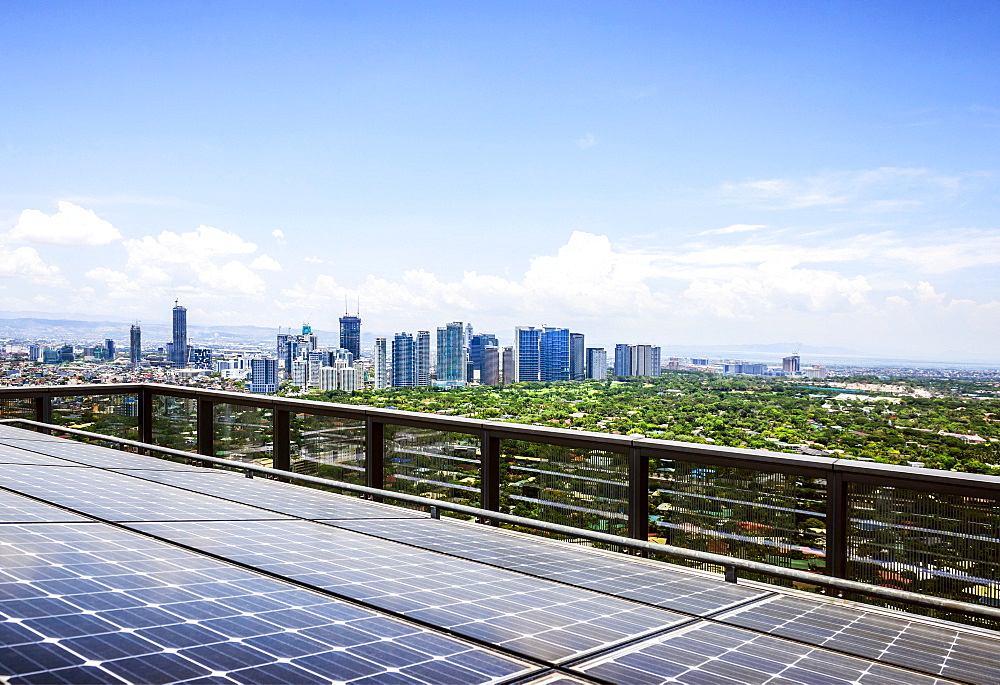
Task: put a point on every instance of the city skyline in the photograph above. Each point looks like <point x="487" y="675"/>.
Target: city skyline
<point x="684" y="174"/>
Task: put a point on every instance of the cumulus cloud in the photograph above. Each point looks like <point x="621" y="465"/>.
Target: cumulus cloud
<point x="265" y="263"/>
<point x="279" y="236"/>
<point x="70" y="225"/>
<point x="25" y="262"/>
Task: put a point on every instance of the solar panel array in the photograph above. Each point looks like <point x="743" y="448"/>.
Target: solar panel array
<point x="153" y="575"/>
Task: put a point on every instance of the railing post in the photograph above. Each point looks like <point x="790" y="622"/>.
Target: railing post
<point x="638" y="495"/>
<point x="43" y="409"/>
<point x="206" y="427"/>
<point x="489" y="477"/>
<point x="145" y="415"/>
<point x="281" y="447"/>
<point x="836" y="525"/>
<point x="374" y="453"/>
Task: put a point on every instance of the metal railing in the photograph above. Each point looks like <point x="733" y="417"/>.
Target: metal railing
<point x="928" y="533"/>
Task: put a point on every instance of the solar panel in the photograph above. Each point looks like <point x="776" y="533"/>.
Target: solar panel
<point x="92" y="603"/>
<point x="17" y="509"/>
<point x="276" y="496"/>
<point x="118" y="497"/>
<point x="530" y="616"/>
<point x="96" y="455"/>
<point x="897" y="639"/>
<point x="627" y="577"/>
<point x="16" y="455"/>
<point x="556" y="678"/>
<point x="725" y="655"/>
<point x="10" y="433"/>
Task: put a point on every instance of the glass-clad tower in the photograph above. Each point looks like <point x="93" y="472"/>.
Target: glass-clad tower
<point x="350" y="334"/>
<point x="179" y="351"/>
<point x="577" y="357"/>
<point x="403" y="369"/>
<point x="451" y="353"/>
<point x="555" y="354"/>
<point x="527" y="354"/>
<point x="422" y="358"/>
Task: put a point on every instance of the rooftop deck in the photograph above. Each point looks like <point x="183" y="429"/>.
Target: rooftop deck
<point x="120" y="567"/>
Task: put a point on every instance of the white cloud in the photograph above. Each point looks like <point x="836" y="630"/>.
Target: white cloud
<point x="279" y="236"/>
<point x="265" y="263"/>
<point x="70" y="225"/>
<point x="735" y="228"/>
<point x="24" y="262"/>
<point x="204" y="243"/>
<point x="586" y="142"/>
<point x="312" y="260"/>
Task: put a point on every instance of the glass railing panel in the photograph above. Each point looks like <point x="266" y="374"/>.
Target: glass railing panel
<point x="18" y="408"/>
<point x="175" y="422"/>
<point x="244" y="433"/>
<point x="585" y="488"/>
<point x="328" y="447"/>
<point x="431" y="463"/>
<point x="929" y="543"/>
<point x="115" y="415"/>
<point x="770" y="517"/>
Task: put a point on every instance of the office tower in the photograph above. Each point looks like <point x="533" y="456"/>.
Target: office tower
<point x="66" y="353"/>
<point x="264" y="376"/>
<point x="35" y="351"/>
<point x="451" y="354"/>
<point x="790" y="364"/>
<point x="577" y="357"/>
<point x="597" y="363"/>
<point x="109" y="349"/>
<point x="527" y="353"/>
<point x="300" y="373"/>
<point x="489" y="374"/>
<point x="179" y="349"/>
<point x="476" y="347"/>
<point x="317" y="360"/>
<point x="468" y="335"/>
<point x="644" y="360"/>
<point x="403" y="371"/>
<point x="381" y="365"/>
<point x="309" y="339"/>
<point x="200" y="357"/>
<point x="135" y="345"/>
<point x="508" y="370"/>
<point x="623" y="360"/>
<point x="284" y="352"/>
<point x="554" y="354"/>
<point x="422" y="358"/>
<point x="350" y="333"/>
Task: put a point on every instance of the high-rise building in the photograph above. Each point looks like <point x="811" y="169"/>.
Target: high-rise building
<point x="489" y="374"/>
<point x="508" y="367"/>
<point x="476" y="347"/>
<point x="791" y="364"/>
<point x="309" y="339"/>
<point x="264" y="376"/>
<point x="577" y="357"/>
<point x="597" y="363"/>
<point x="554" y="347"/>
<point x="200" y="357"/>
<point x="109" y="349"/>
<point x="35" y="351"/>
<point x="451" y="354"/>
<point x="380" y="368"/>
<point x="179" y="349"/>
<point x="403" y="370"/>
<point x="644" y="360"/>
<point x="623" y="360"/>
<point x="527" y="354"/>
<point x="422" y="358"/>
<point x="468" y="336"/>
<point x="66" y="353"/>
<point x="135" y="345"/>
<point x="350" y="333"/>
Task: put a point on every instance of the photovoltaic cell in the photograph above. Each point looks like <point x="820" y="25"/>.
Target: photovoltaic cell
<point x="896" y="639"/>
<point x="17" y="509"/>
<point x="296" y="500"/>
<point x="118" y="497"/>
<point x="8" y="432"/>
<point x="708" y="653"/>
<point x="647" y="582"/>
<point x="82" y="453"/>
<point x="17" y="455"/>
<point x="92" y="603"/>
<point x="530" y="616"/>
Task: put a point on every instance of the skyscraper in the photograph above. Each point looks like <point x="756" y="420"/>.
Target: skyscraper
<point x="790" y="364"/>
<point x="476" y="347"/>
<point x="350" y="333"/>
<point x="623" y="360"/>
<point x="403" y="369"/>
<point x="109" y="349"/>
<point x="381" y="366"/>
<point x="264" y="376"/>
<point x="135" y="345"/>
<point x="422" y="358"/>
<point x="179" y="351"/>
<point x="507" y="373"/>
<point x="527" y="354"/>
<point x="597" y="363"/>
<point x="644" y="360"/>
<point x="554" y="347"/>
<point x="577" y="357"/>
<point x="451" y="354"/>
<point x="489" y="374"/>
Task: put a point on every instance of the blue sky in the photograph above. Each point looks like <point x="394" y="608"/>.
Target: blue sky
<point x="675" y="173"/>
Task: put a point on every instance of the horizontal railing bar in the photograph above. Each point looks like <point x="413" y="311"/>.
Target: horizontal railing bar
<point x="726" y="562"/>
